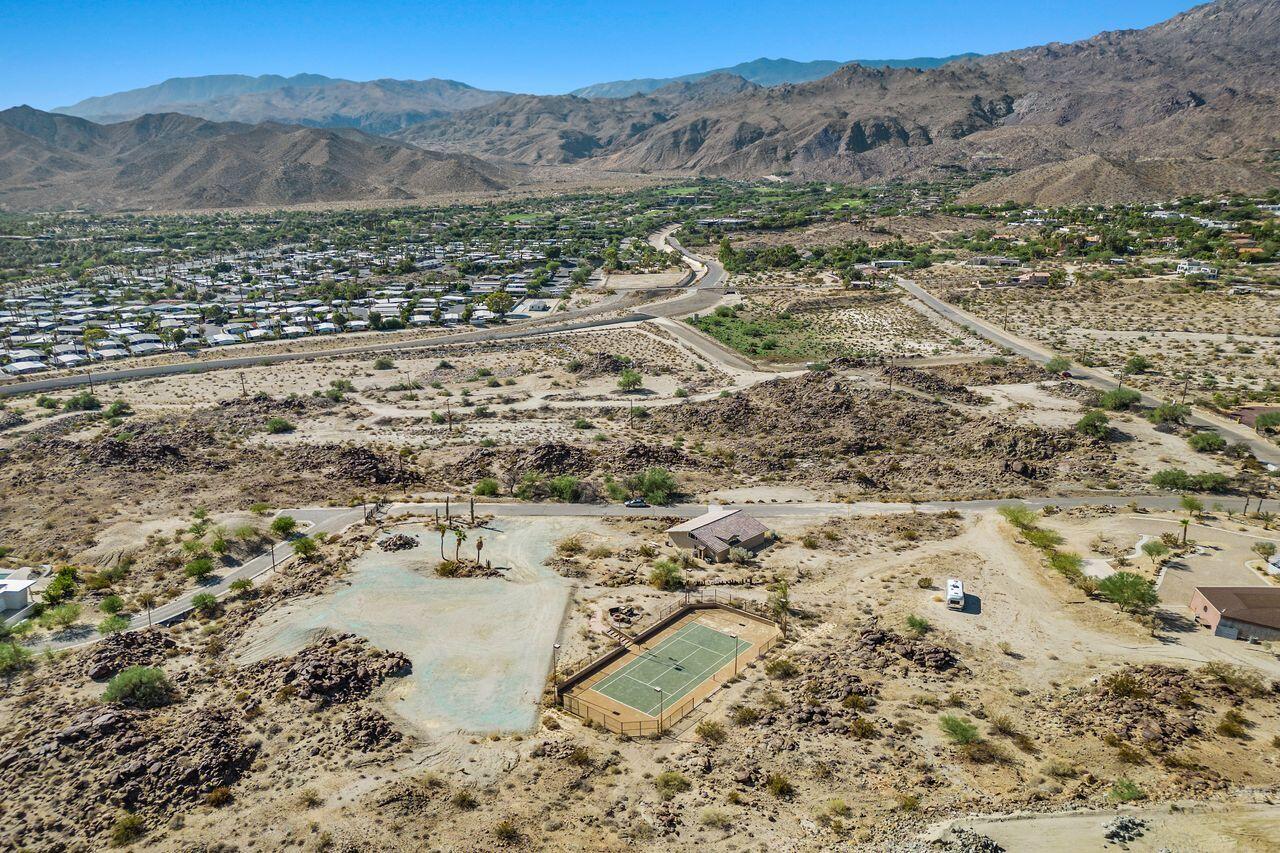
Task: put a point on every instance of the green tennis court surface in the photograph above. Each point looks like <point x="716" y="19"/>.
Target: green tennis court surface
<point x="677" y="665"/>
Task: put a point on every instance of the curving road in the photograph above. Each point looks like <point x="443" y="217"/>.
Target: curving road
<point x="338" y="519"/>
<point x="705" y="293"/>
<point x="1100" y="379"/>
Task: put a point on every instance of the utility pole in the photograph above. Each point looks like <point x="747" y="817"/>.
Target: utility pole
<point x="244" y="390"/>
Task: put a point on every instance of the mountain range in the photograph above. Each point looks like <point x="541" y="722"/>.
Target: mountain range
<point x="312" y="100"/>
<point x="1188" y="105"/>
<point x="762" y="72"/>
<point x="173" y="161"/>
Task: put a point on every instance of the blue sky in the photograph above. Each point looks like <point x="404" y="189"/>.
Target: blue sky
<point x="56" y="52"/>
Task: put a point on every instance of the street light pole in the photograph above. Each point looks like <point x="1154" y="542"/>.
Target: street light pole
<point x="661" y="704"/>
<point x="555" y="665"/>
<point x="735" y="655"/>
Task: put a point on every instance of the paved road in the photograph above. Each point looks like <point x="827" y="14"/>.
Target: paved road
<point x="1101" y="379"/>
<point x="312" y="521"/>
<point x="703" y="296"/>
<point x="338" y="519"/>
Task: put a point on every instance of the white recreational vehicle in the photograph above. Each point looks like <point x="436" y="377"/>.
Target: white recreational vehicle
<point x="955" y="594"/>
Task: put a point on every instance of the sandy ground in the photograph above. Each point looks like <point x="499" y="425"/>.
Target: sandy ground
<point x="481" y="647"/>
<point x="1246" y="828"/>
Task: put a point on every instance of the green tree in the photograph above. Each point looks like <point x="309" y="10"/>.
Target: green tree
<point x="656" y="485"/>
<point x="199" y="568"/>
<point x="111" y="605"/>
<point x="1132" y="593"/>
<point x="1265" y="550"/>
<point x="1057" y="365"/>
<point x="284" y="525"/>
<point x="1155" y="549"/>
<point x="630" y="379"/>
<point x="1171" y="414"/>
<point x="305" y="547"/>
<point x="205" y="603"/>
<point x="499" y="302"/>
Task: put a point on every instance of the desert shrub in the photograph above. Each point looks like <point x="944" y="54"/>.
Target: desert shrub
<point x="310" y="799"/>
<point x="112" y="625"/>
<point x="908" y="802"/>
<point x="580" y="757"/>
<point x="60" y="615"/>
<point x="1041" y="538"/>
<point x="1235" y="678"/>
<point x="918" y="625"/>
<point x="127" y="829"/>
<point x="711" y="731"/>
<point x="1059" y="769"/>
<point x="82" y="402"/>
<point x="666" y="575"/>
<point x="778" y="785"/>
<point x="715" y="819"/>
<point x="1122" y="684"/>
<point x="1207" y="442"/>
<point x="669" y="783"/>
<point x="924" y="582"/>
<point x="507" y="832"/>
<point x="277" y="426"/>
<point x="383" y="363"/>
<point x="1119" y="399"/>
<point x="570" y="546"/>
<point x="739" y="556"/>
<point x="655" y="485"/>
<point x="781" y="668"/>
<point x="14" y="659"/>
<point x="141" y="687"/>
<point x="745" y="715"/>
<point x="218" y="797"/>
<point x="464" y="800"/>
<point x="1019" y="515"/>
<point x="564" y="488"/>
<point x="1125" y="791"/>
<point x="1094" y="424"/>
<point x="862" y="728"/>
<point x="958" y="730"/>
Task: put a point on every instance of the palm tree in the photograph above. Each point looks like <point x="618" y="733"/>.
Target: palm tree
<point x="479" y="545"/>
<point x="460" y="536"/>
<point x="147" y="600"/>
<point x="442" y="529"/>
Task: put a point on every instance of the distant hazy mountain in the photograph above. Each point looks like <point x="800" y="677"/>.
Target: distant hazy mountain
<point x="169" y="161"/>
<point x="184" y="90"/>
<point x="763" y="72"/>
<point x="375" y="106"/>
<point x="1184" y="106"/>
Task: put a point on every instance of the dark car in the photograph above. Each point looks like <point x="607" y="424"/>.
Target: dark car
<point x="636" y="503"/>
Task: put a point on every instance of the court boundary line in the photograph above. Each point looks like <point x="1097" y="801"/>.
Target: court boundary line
<point x="722" y="660"/>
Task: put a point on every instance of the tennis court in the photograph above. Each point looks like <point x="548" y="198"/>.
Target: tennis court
<point x="660" y="677"/>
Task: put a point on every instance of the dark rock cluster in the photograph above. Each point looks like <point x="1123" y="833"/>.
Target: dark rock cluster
<point x="338" y="669"/>
<point x="112" y="654"/>
<point x="882" y="649"/>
